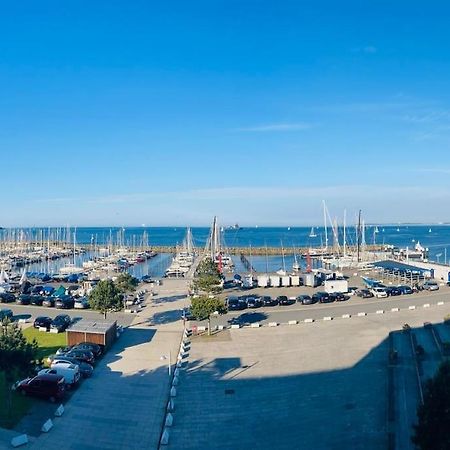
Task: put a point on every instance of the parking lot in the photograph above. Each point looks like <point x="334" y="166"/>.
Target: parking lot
<point x="317" y="311"/>
<point x="322" y="385"/>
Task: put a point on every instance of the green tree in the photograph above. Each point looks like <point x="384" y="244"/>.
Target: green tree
<point x="208" y="278"/>
<point x="202" y="307"/>
<point x="105" y="297"/>
<point x="126" y="282"/>
<point x="17" y="357"/>
<point x="433" y="416"/>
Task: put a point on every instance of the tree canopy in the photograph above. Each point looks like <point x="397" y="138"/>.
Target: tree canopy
<point x="208" y="277"/>
<point x="126" y="282"/>
<point x="432" y="431"/>
<point x="105" y="297"/>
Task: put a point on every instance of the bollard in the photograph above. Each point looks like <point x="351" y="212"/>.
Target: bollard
<point x="169" y="420"/>
<point x="17" y="441"/>
<point x="165" y="437"/>
<point x="60" y="411"/>
<point x="171" y="405"/>
<point x="48" y="425"/>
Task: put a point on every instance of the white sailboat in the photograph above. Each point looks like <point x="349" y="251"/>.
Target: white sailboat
<point x="312" y="234"/>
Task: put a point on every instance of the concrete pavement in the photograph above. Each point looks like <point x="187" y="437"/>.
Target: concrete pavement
<point x="123" y="404"/>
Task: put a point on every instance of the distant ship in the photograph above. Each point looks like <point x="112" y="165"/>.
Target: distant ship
<point x="234" y="227"/>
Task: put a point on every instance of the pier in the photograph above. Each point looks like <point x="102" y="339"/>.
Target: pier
<point x="247" y="264"/>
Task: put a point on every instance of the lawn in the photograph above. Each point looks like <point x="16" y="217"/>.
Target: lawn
<point x="48" y="342"/>
<point x="20" y="406"/>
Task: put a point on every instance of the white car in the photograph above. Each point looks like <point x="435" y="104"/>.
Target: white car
<point x="81" y="303"/>
<point x="379" y="292"/>
<point x="70" y="372"/>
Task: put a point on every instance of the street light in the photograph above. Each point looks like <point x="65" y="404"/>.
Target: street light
<point x="169" y="362"/>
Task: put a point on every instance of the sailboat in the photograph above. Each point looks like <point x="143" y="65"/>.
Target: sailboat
<point x="312" y="234"/>
<point x="429" y="231"/>
<point x="376" y="230"/>
<point x="296" y="265"/>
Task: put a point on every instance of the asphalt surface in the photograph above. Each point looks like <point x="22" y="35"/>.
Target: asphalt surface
<point x="353" y="306"/>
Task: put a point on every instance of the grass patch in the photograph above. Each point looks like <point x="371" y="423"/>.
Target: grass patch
<point x="20" y="406"/>
<point x="48" y="342"/>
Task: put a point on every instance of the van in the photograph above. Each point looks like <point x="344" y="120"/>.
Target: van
<point x="71" y="373"/>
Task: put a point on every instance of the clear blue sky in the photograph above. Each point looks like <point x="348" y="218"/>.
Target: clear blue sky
<point x="115" y="112"/>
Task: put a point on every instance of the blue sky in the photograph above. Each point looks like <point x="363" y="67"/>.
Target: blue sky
<point x="158" y="113"/>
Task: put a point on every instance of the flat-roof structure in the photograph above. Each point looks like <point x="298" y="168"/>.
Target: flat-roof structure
<point x="99" y="332"/>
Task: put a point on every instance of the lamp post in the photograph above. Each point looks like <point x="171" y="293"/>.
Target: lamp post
<point x="169" y="362"/>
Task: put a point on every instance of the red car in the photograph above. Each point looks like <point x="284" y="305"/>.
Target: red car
<point x="47" y="386"/>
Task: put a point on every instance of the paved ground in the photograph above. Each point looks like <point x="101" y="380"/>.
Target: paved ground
<point x="123" y="404"/>
<point x="320" y="385"/>
<point x="282" y="314"/>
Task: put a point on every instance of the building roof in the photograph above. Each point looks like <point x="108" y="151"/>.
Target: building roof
<point x="92" y="326"/>
<point x="400" y="267"/>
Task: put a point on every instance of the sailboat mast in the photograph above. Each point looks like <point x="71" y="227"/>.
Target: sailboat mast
<point x="325" y="225"/>
<point x="345" y="231"/>
<point x="358" y="236"/>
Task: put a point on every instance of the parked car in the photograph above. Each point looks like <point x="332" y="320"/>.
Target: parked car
<point x="71" y="373"/>
<point x="285" y="301"/>
<point x="49" y="302"/>
<point x="266" y="300"/>
<point x="228" y="284"/>
<point x="81" y="303"/>
<point x="81" y="355"/>
<point x="405" y="290"/>
<point x="340" y="297"/>
<point x="236" y="304"/>
<point x="323" y="297"/>
<point x="379" y="292"/>
<point x="253" y="301"/>
<point x="393" y="291"/>
<point x="187" y="315"/>
<point x="42" y="322"/>
<point x="364" y="293"/>
<point x="352" y="290"/>
<point x="96" y="349"/>
<point x="60" y="322"/>
<point x="64" y="303"/>
<point x="48" y="386"/>
<point x="37" y="290"/>
<point x="37" y="300"/>
<point x="86" y="369"/>
<point x="302" y="297"/>
<point x="5" y="314"/>
<point x="23" y="299"/>
<point x="307" y="299"/>
<point x="430" y="286"/>
<point x="7" y="297"/>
